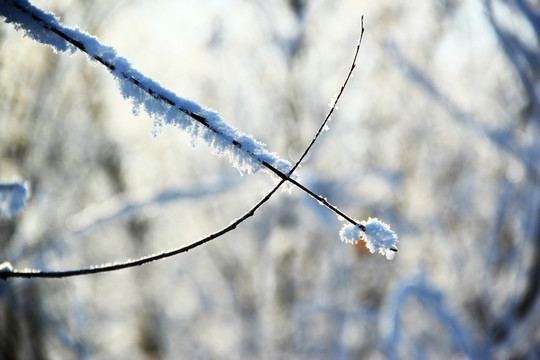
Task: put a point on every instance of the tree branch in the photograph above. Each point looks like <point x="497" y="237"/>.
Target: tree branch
<point x="7" y="271"/>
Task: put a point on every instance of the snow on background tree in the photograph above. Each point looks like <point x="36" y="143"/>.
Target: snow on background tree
<point x="436" y="134"/>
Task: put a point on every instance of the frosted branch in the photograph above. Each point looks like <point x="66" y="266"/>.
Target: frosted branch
<point x="245" y="153"/>
<point x="377" y="235"/>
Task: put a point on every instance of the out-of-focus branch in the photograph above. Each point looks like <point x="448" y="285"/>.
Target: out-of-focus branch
<point x="503" y="140"/>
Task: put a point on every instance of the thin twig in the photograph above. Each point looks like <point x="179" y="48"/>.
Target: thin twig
<point x="323" y="125"/>
<point x="319" y="198"/>
<point x="6" y="271"/>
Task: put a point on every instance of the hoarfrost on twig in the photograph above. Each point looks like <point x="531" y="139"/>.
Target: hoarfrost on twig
<point x="377" y="235"/>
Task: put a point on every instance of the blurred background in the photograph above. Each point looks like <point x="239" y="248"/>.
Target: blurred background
<point x="437" y="135"/>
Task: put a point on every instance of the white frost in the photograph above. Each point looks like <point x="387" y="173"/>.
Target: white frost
<point x="6" y="267"/>
<point x="12" y="198"/>
<point x="377" y="235"/>
<point x="351" y="234"/>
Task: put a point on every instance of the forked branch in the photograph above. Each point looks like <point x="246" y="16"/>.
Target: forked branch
<point x="212" y="123"/>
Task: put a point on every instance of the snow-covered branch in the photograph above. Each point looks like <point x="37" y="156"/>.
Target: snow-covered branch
<point x="165" y="107"/>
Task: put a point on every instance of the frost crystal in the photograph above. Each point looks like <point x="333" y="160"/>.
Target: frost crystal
<point x="6" y="267"/>
<point x="351" y="234"/>
<point x="377" y="235"/>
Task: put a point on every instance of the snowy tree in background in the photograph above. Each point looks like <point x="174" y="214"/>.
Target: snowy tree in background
<point x="12" y="198"/>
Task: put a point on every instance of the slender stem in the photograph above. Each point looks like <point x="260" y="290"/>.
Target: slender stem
<point x="327" y="118"/>
<point x="321" y="199"/>
<point x="31" y="273"/>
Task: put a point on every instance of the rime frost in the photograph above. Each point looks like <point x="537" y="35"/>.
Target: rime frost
<point x="377" y="235"/>
<point x="6" y="267"/>
<point x="351" y="234"/>
<point x="165" y="107"/>
<point x="12" y="198"/>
